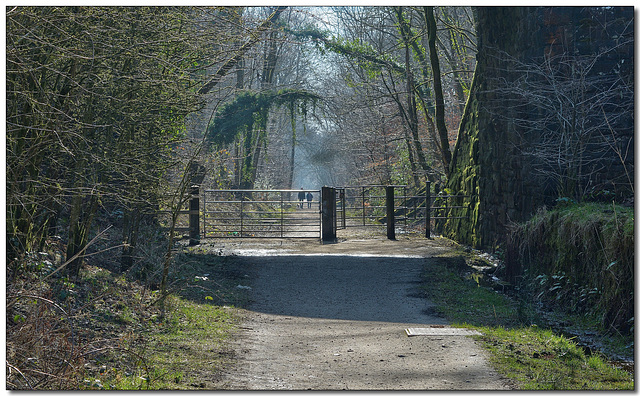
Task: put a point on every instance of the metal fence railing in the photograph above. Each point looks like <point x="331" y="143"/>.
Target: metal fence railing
<point x="260" y="214"/>
<point x="366" y="206"/>
<point x="282" y="214"/>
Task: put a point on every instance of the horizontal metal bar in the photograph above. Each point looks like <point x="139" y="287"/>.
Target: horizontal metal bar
<point x="235" y="212"/>
<point x="244" y="232"/>
<point x="272" y="222"/>
<point x="449" y="196"/>
<point x="258" y="191"/>
<point x="245" y="227"/>
<point x="255" y="201"/>
<point x="185" y="211"/>
<point x="266" y="228"/>
<point x="256" y="228"/>
<point x="372" y="185"/>
<point x="265" y="237"/>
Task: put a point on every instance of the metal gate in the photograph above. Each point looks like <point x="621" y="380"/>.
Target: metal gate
<point x="280" y="214"/>
<point x="367" y="206"/>
<point x="260" y="214"/>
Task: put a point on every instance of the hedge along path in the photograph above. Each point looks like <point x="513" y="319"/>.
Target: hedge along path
<point x="333" y="317"/>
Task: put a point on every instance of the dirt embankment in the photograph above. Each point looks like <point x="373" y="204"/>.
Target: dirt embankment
<point x="334" y="317"/>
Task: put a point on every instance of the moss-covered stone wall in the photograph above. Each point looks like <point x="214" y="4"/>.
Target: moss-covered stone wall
<point x="484" y="164"/>
<point x="487" y="166"/>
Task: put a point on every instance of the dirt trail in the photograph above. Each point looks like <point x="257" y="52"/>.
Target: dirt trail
<point x="334" y="316"/>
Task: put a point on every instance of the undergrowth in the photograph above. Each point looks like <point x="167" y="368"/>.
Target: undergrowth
<point x="104" y="331"/>
<point x="579" y="258"/>
<point x="522" y="347"/>
<point x="184" y="350"/>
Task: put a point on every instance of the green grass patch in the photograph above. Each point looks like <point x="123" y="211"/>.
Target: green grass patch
<point x="512" y="331"/>
<point x="185" y="351"/>
<point x="538" y="359"/>
<point x="185" y="348"/>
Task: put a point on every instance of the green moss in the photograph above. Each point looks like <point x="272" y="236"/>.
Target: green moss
<point x="465" y="176"/>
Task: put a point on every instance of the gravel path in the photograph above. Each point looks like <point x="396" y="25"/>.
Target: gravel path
<point x="332" y="317"/>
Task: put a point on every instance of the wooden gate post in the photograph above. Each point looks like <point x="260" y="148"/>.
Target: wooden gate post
<point x="391" y="215"/>
<point x="328" y="211"/>
<point x="194" y="216"/>
<point x="427" y="211"/>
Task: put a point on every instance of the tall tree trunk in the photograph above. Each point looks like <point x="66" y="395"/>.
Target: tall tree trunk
<point x="261" y="143"/>
<point x="411" y="115"/>
<point x="410" y="39"/>
<point x="237" y="162"/>
<point x="457" y="84"/>
<point x="412" y="162"/>
<point x="437" y="88"/>
<point x="240" y="74"/>
<point x="292" y="156"/>
<point x="411" y="123"/>
<point x="270" y="60"/>
<point x="250" y="139"/>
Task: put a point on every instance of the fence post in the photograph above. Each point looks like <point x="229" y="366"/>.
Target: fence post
<point x="194" y="216"/>
<point x="282" y="214"/>
<point x="405" y="208"/>
<point x="391" y="216"/>
<point x="343" y="198"/>
<point x="328" y="197"/>
<point x="364" y="222"/>
<point x="335" y="210"/>
<point x="427" y="209"/>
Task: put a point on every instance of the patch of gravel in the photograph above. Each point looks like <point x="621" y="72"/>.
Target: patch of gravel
<point x="333" y="317"/>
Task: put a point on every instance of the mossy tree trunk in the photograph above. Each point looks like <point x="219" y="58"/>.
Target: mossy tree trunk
<point x="443" y="135"/>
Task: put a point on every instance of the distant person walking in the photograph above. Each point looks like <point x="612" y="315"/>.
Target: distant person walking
<point x="301" y="198"/>
<point x="309" y="199"/>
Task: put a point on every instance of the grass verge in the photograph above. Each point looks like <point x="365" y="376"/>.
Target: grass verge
<point x="579" y="258"/>
<point x="521" y="348"/>
<point x="102" y="330"/>
<point x="186" y="348"/>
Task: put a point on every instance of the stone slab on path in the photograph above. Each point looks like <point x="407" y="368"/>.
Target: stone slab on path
<point x="439" y="331"/>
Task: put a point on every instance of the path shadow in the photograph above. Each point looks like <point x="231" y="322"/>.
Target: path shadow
<point x="384" y="289"/>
